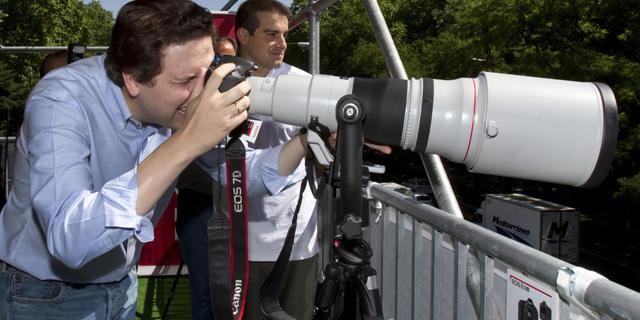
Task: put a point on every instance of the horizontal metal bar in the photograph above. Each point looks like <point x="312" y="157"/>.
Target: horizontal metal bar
<point x="309" y="11"/>
<point x="38" y="49"/>
<point x="613" y="299"/>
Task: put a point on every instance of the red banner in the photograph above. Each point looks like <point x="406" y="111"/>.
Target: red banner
<point x="162" y="255"/>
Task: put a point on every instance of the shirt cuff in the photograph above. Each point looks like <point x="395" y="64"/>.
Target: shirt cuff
<point x="273" y="181"/>
<point x="120" y="197"/>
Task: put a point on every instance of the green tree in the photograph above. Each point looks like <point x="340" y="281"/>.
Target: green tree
<point x="574" y="40"/>
<point x="42" y="23"/>
<point x="348" y="44"/>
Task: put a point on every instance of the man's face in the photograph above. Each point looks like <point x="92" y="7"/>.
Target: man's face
<point x="164" y="100"/>
<point x="267" y="45"/>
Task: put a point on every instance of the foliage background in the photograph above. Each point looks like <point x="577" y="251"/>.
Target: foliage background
<point x="41" y="23"/>
<point x="580" y="40"/>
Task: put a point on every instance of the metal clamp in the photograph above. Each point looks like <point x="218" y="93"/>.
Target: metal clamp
<point x="572" y="283"/>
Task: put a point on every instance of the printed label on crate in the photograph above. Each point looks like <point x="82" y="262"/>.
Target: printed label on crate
<point x="530" y="299"/>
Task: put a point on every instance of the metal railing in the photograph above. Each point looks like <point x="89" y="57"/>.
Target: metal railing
<point x="36" y="49"/>
<point x="421" y="255"/>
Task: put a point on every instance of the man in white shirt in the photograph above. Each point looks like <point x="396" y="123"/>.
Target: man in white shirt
<point x="261" y="30"/>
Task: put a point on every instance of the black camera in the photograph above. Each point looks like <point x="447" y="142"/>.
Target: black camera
<point x="243" y="70"/>
<point x="545" y="311"/>
<point x="75" y="52"/>
<point x="527" y="310"/>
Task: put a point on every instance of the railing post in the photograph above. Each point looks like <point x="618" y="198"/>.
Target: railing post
<point x="460" y="272"/>
<point x="314" y="43"/>
<point x="432" y="163"/>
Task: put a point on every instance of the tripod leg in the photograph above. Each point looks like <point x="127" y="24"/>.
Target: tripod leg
<point x="326" y="293"/>
<point x="368" y="293"/>
<point x="172" y="292"/>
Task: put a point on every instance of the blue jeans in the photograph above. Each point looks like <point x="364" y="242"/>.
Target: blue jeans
<point x="194" y="210"/>
<point x="23" y="297"/>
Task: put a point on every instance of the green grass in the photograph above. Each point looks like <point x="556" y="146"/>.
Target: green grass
<point x="153" y="294"/>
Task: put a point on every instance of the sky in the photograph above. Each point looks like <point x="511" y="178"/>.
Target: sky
<point x="213" y="5"/>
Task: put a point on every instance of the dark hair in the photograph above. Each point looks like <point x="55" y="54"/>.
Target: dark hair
<point x="144" y="28"/>
<point x="222" y="39"/>
<point x="48" y="62"/>
<point x="246" y="15"/>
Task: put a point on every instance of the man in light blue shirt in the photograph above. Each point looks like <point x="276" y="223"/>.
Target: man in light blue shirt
<point x="96" y="162"/>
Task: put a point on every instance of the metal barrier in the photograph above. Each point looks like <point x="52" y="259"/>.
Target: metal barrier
<point x="34" y="49"/>
<point x="422" y="257"/>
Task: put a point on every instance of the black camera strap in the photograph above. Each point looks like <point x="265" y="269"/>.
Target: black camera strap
<point x="218" y="242"/>
<point x="238" y="219"/>
<point x="272" y="287"/>
<point x="227" y="238"/>
<point x="228" y="251"/>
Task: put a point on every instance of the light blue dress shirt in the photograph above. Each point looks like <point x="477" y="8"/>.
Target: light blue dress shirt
<point x="71" y="214"/>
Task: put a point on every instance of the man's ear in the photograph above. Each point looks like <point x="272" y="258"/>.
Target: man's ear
<point x="243" y="36"/>
<point x="131" y="84"/>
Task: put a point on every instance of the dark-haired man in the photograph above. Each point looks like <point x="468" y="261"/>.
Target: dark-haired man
<point x="97" y="158"/>
<point x="53" y="61"/>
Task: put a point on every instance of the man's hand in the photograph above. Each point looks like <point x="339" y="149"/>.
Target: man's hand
<point x="378" y="147"/>
<point x="211" y="115"/>
<point x="292" y="153"/>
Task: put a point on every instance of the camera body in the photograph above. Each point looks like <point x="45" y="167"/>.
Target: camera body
<point x="527" y="310"/>
<point x="75" y="52"/>
<point x="242" y="71"/>
<point x="545" y="311"/>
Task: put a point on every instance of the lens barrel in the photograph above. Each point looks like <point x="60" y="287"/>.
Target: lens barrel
<point x="506" y="125"/>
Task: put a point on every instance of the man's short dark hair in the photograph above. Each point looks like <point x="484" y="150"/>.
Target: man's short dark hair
<point x="144" y="28"/>
<point x="52" y="61"/>
<point x="246" y="16"/>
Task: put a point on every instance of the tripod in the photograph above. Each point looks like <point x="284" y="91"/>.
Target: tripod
<point x="349" y="290"/>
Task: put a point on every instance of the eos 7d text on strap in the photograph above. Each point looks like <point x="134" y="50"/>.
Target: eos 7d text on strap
<point x="238" y="212"/>
<point x="228" y="252"/>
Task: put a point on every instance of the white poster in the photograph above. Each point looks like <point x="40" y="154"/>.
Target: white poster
<point x="528" y="299"/>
